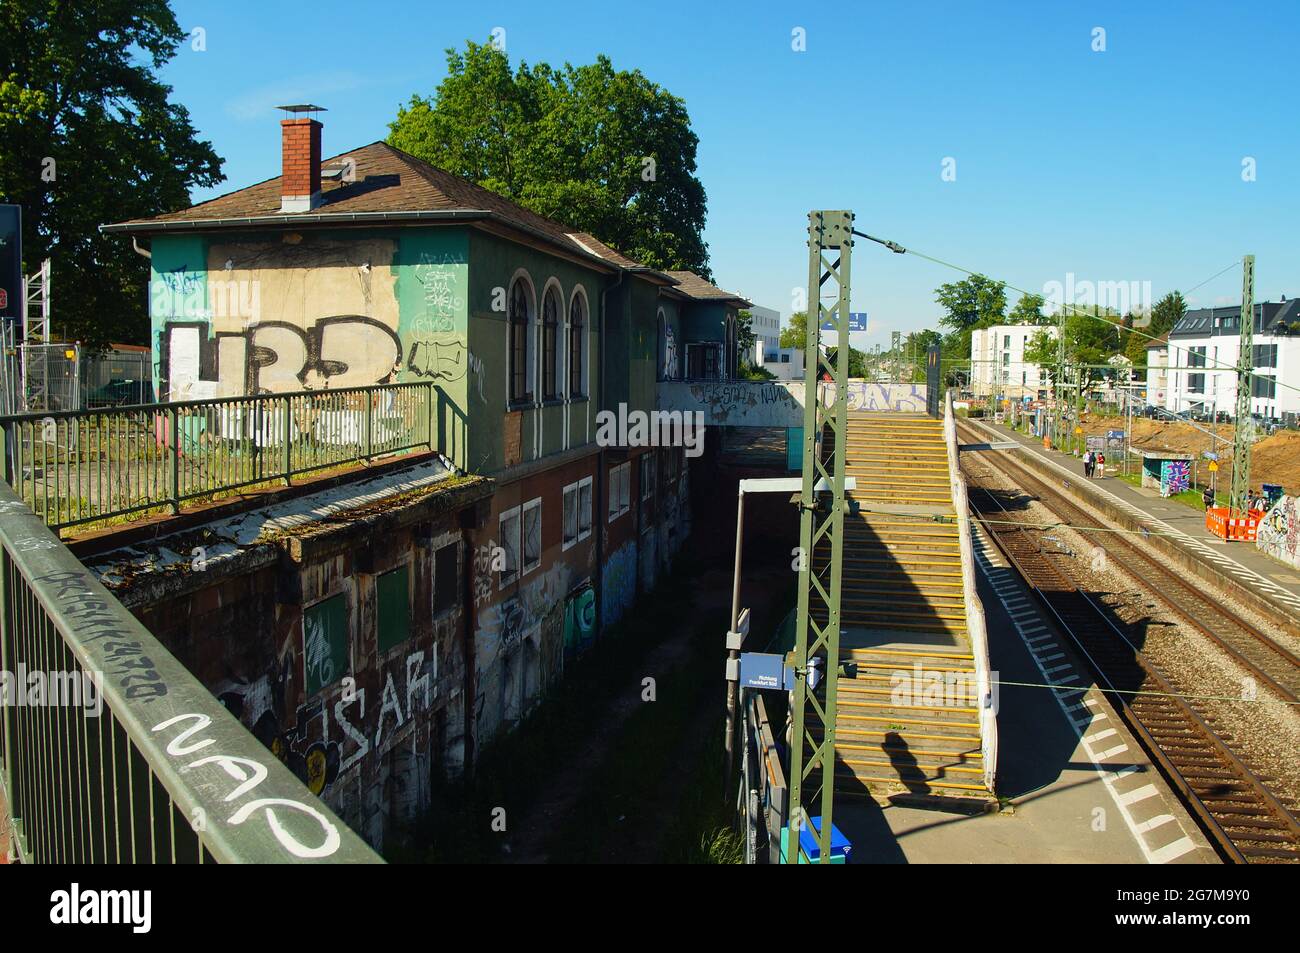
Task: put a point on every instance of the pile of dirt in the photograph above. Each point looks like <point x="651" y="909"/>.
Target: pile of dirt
<point x="1275" y="459"/>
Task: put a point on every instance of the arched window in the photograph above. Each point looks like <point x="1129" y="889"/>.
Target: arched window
<point x="661" y="363"/>
<point x="577" y="346"/>
<point x="518" y="353"/>
<point x="550" y="352"/>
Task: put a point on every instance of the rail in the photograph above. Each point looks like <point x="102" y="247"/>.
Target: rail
<point x="111" y="751"/>
<point x="85" y="466"/>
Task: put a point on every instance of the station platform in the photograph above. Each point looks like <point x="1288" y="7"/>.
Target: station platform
<point x="1073" y="785"/>
<point x="1275" y="583"/>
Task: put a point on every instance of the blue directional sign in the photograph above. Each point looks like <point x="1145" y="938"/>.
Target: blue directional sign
<point x="762" y="670"/>
<point x="1114" y="435"/>
<point x="857" y="322"/>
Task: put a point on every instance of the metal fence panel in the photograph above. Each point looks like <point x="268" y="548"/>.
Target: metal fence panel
<point x="162" y="773"/>
<point x="83" y="466"/>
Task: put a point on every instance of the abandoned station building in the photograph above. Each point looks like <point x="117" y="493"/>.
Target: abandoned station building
<point x="376" y="633"/>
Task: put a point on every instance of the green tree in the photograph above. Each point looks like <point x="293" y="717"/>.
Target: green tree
<point x="745" y="338"/>
<point x="795" y="334"/>
<point x="1028" y="310"/>
<point x="857" y="361"/>
<point x="606" y="151"/>
<point x="88" y="136"/>
<point x="1165" y="313"/>
<point x="974" y="302"/>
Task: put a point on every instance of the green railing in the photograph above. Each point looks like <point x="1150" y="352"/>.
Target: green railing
<point x="156" y="770"/>
<point x="78" y="467"/>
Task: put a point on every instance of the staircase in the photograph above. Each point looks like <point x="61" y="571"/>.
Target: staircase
<point x="900" y="727"/>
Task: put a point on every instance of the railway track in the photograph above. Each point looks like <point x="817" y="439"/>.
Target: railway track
<point x="1271" y="664"/>
<point x="1245" y="820"/>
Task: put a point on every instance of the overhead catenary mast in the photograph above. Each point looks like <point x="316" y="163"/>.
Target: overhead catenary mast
<point x="1239" y="501"/>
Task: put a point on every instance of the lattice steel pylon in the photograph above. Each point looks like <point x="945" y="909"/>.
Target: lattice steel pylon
<point x="821" y="522"/>
<point x="1238" y="501"/>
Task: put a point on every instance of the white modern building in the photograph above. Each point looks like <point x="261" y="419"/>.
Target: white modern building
<point x="1158" y="371"/>
<point x="998" y="365"/>
<point x="785" y="363"/>
<point x="1202" y="360"/>
<point x="766" y="325"/>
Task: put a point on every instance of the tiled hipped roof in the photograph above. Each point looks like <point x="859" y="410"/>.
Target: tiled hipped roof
<point x="388" y="182"/>
<point x="696" y="288"/>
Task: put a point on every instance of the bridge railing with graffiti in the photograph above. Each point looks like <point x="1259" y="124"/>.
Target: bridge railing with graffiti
<point x="79" y="467"/>
<point x="111" y="751"/>
<point x="780" y="403"/>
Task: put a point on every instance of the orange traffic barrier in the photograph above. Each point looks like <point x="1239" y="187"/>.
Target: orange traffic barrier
<point x="1220" y="521"/>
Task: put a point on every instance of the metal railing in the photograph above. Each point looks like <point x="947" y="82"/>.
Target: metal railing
<point x="83" y="466"/>
<point x="123" y="756"/>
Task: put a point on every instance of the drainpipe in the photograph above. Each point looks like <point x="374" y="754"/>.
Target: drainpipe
<point x="601" y="469"/>
<point x="135" y="243"/>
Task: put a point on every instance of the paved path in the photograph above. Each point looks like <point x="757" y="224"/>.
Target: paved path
<point x="1080" y="789"/>
<point x="1268" y="578"/>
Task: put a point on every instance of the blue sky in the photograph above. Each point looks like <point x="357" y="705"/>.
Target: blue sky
<point x="1118" y="165"/>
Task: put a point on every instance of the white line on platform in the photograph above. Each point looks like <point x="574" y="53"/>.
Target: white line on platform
<point x="1109" y="776"/>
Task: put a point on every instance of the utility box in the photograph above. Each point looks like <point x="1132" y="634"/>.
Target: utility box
<point x="810" y="850"/>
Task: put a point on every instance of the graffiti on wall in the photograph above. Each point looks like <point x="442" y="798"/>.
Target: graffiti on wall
<point x="1175" y="476"/>
<point x="871" y="396"/>
<point x="669" y="368"/>
<point x="1278" y="534"/>
<point x="333" y="318"/>
<point x="436" y="350"/>
<point x="619" y="582"/>
<point x="780" y="403"/>
<point x="328" y="737"/>
<point x="579" y="619"/>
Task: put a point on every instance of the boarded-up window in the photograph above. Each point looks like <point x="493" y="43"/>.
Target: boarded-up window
<point x="577" y="512"/>
<point x="620" y="478"/>
<point x="325" y="642"/>
<point x="445" y="578"/>
<point x="509" y="538"/>
<point x="394" y="621"/>
<point x="532" y="534"/>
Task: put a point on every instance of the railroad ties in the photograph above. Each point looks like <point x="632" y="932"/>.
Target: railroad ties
<point x="1230" y="800"/>
<point x="908" y="723"/>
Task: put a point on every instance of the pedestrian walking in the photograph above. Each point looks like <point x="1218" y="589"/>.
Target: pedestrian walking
<point x="1100" y="466"/>
<point x="1087" y="464"/>
<point x="1208" y="498"/>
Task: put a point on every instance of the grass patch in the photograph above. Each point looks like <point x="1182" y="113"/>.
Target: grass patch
<point x="457" y="828"/>
<point x="653" y="771"/>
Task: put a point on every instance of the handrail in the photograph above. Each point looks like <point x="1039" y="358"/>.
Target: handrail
<point x="138" y="762"/>
<point x="976" y="625"/>
<point x="87" y="466"/>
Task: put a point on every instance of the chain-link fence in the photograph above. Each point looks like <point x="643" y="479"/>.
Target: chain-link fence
<point x="46" y="378"/>
<point x="116" y="378"/>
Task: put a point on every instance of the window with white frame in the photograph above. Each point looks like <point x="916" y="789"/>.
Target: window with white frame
<point x="531" y="530"/>
<point x="508" y="539"/>
<point x="647" y="475"/>
<point x="647" y="464"/>
<point x="577" y="512"/>
<point x="620" y="485"/>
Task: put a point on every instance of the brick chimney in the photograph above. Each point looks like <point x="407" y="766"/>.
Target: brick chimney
<point x="300" y="150"/>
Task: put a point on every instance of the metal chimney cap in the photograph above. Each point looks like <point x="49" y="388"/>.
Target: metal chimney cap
<point x="303" y="108"/>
